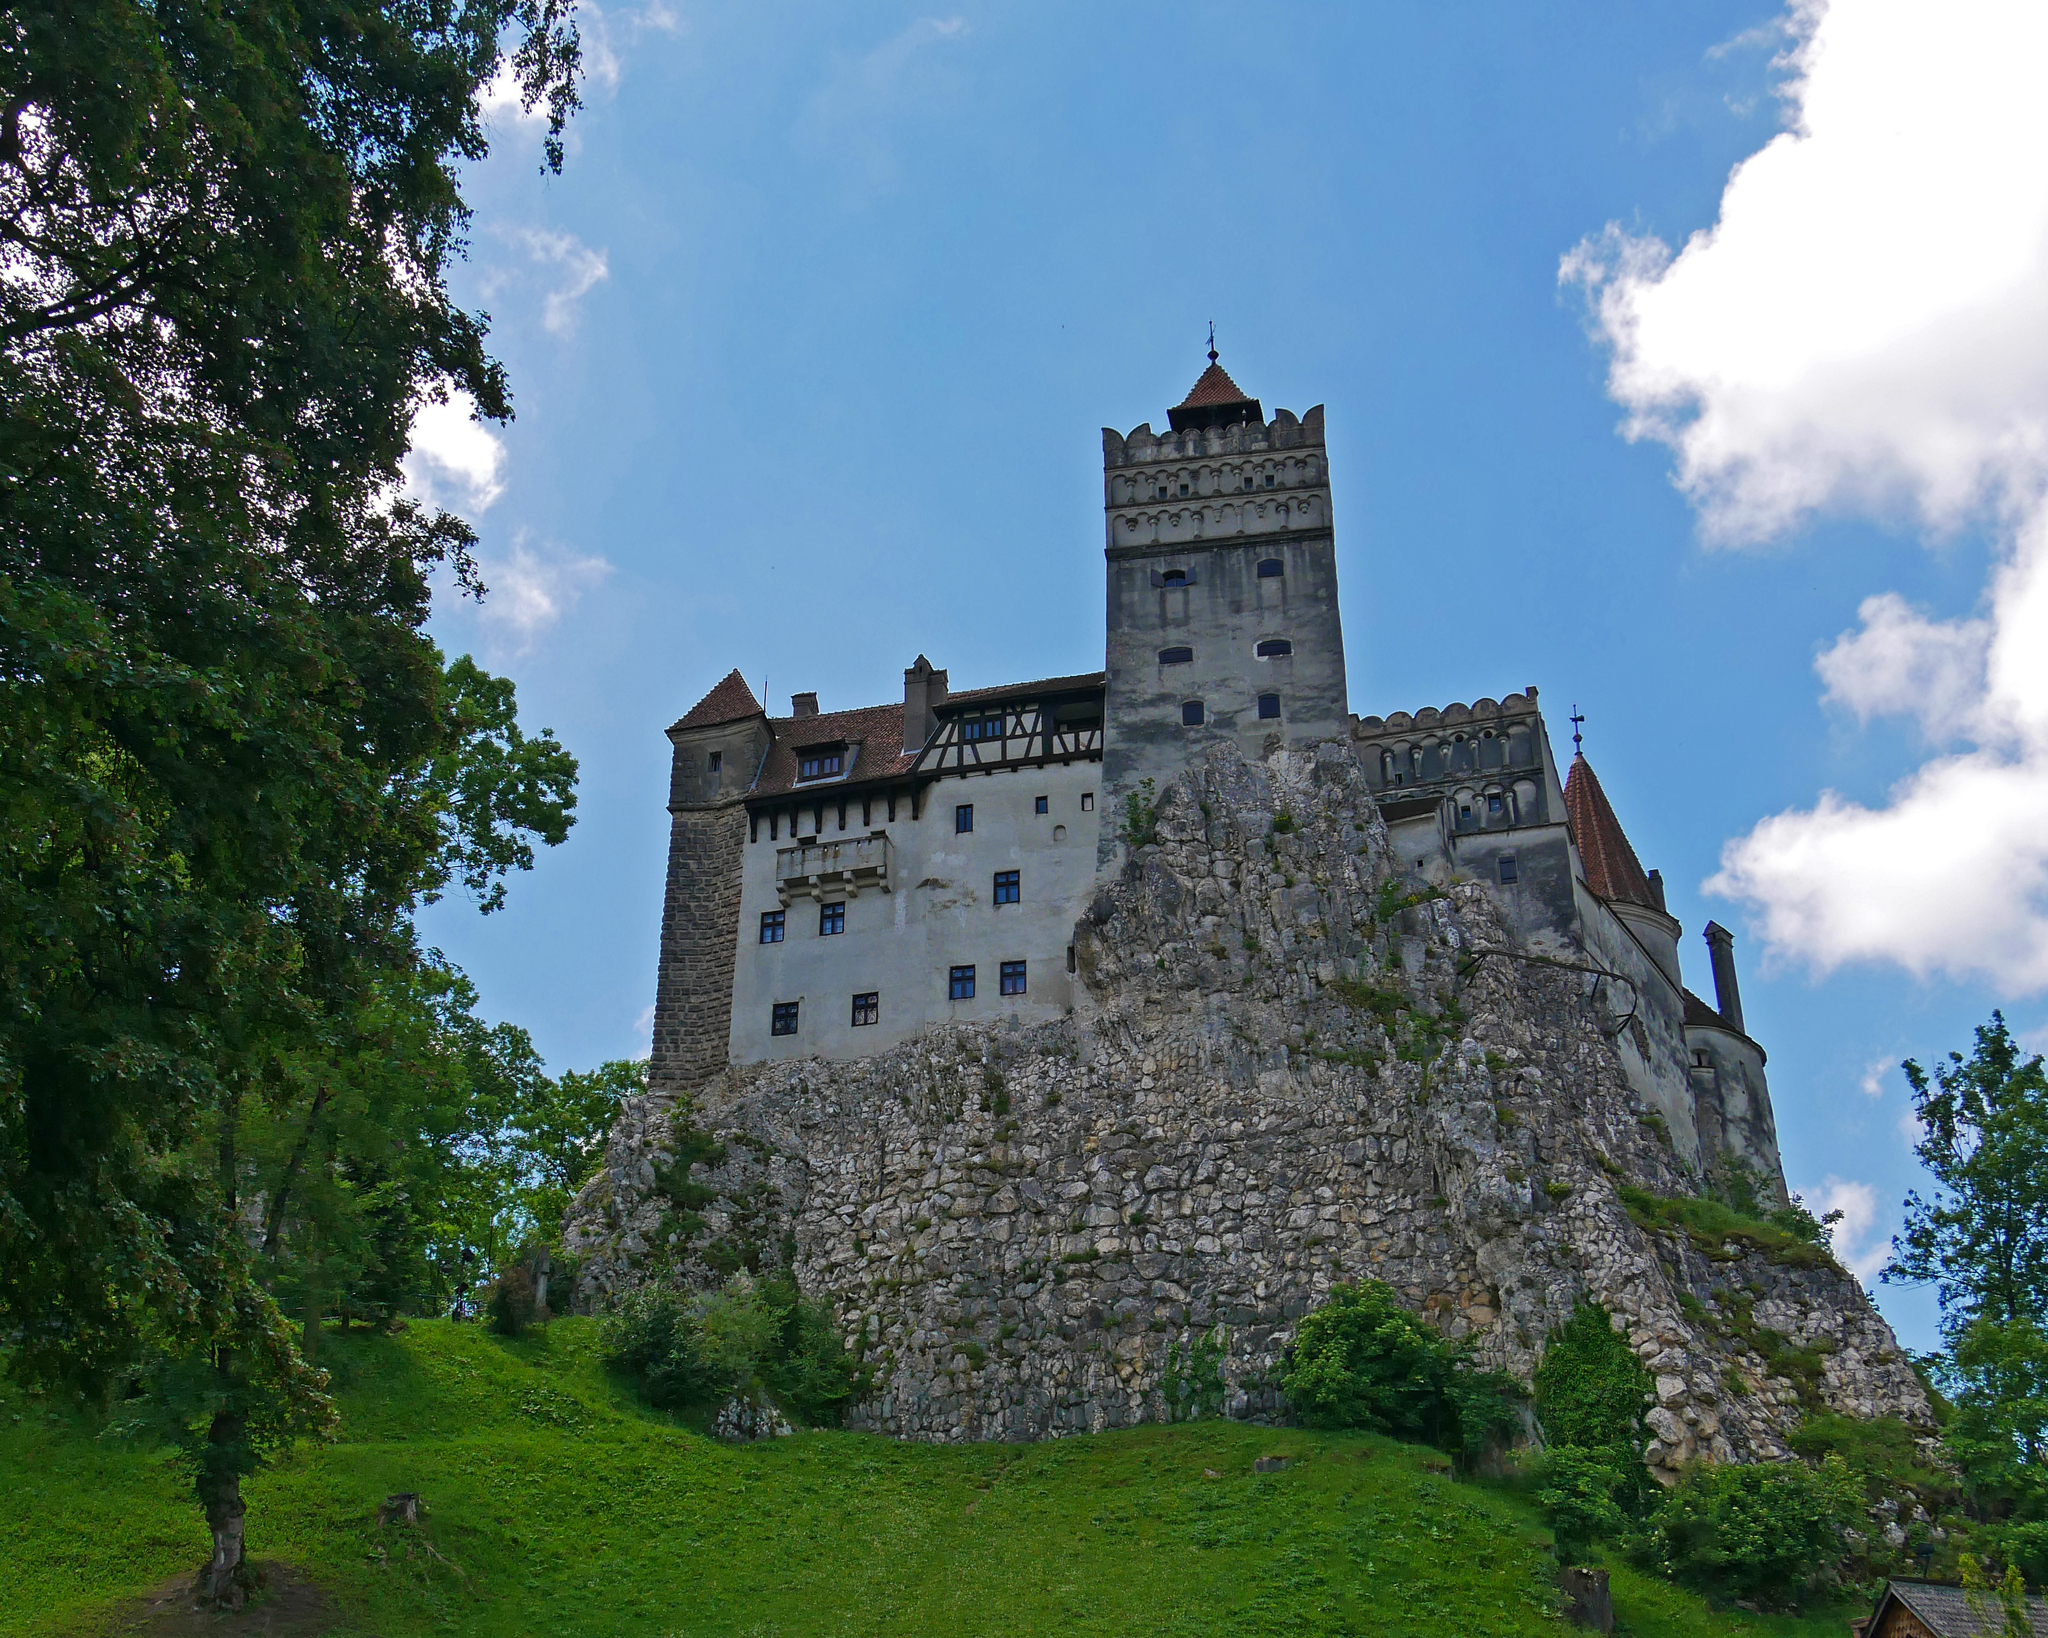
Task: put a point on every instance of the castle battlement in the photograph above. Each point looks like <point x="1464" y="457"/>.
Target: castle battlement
<point x="1142" y="446"/>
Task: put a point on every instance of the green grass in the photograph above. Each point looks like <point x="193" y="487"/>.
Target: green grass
<point x="1712" y="1225"/>
<point x="559" y="1506"/>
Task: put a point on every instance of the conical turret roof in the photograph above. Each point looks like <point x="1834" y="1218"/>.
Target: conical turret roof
<point x="1612" y="869"/>
<point x="1214" y="401"/>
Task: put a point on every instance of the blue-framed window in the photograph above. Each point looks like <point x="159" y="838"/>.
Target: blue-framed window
<point x="831" y="919"/>
<point x="771" y="926"/>
<point x="1007" y="888"/>
<point x="784" y="1019"/>
<point x="963" y="818"/>
<point x="1013" y="978"/>
<point x="960" y="984"/>
<point x="867" y="1008"/>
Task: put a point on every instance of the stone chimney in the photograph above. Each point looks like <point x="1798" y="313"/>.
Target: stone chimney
<point x="1657" y="890"/>
<point x="1727" y="998"/>
<point x="924" y="687"/>
<point x="803" y="705"/>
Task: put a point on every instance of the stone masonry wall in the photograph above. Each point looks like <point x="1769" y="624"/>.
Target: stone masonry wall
<point x="1282" y="1075"/>
<point x="699" y="929"/>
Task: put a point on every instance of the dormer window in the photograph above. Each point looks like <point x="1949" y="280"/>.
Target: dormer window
<point x="821" y="763"/>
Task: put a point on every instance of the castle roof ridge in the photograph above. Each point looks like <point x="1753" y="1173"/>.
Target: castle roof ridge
<point x="730" y="700"/>
<point x="1482" y="709"/>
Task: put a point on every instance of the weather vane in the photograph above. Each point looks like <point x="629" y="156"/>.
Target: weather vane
<point x="1578" y="721"/>
<point x="1212" y="341"/>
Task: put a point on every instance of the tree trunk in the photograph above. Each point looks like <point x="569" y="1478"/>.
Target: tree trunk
<point x="226" y="1580"/>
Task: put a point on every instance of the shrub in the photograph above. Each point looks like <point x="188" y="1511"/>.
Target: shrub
<point x="1578" y="1497"/>
<point x="754" y="1338"/>
<point x="1360" y="1360"/>
<point x="1590" y="1392"/>
<point x="510" y="1302"/>
<point x="1762" y="1532"/>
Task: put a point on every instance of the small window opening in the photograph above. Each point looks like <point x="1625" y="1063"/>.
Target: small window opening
<point x="1012" y="978"/>
<point x="982" y="728"/>
<point x="1007" y="890"/>
<point x="821" y="765"/>
<point x="831" y="919"/>
<point x="1269" y="707"/>
<point x="1070" y="958"/>
<point x="1183" y="489"/>
<point x="771" y="926"/>
<point x="1039" y="806"/>
<point x="1191" y="714"/>
<point x="960" y="984"/>
<point x="1271" y="568"/>
<point x="783" y="1021"/>
<point x="1176" y="656"/>
<point x="1493" y="802"/>
<point x="717" y="760"/>
<point x="1508" y="873"/>
<point x="1174" y="577"/>
<point x="1269" y="480"/>
<point x="1274" y="648"/>
<point x="1087" y="801"/>
<point x="867" y="1009"/>
<point x="963" y="818"/>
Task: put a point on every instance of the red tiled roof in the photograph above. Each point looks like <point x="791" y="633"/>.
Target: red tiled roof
<point x="1044" y="685"/>
<point x="873" y="736"/>
<point x="1214" y="387"/>
<point x="1612" y="869"/>
<point x="730" y="701"/>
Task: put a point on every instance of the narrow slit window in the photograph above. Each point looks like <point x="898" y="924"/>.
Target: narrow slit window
<point x="783" y="1021"/>
<point x="1007" y="889"/>
<point x="1274" y="648"/>
<point x="771" y="926"/>
<point x="1269" y="707"/>
<point x="867" y="1009"/>
<point x="963" y="819"/>
<point x="1013" y="978"/>
<point x="1191" y="714"/>
<point x="960" y="984"/>
<point x="717" y="760"/>
<point x="831" y="919"/>
<point x="1271" y="568"/>
<point x="1176" y="656"/>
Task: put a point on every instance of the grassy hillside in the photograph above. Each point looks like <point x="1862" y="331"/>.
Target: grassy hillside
<point x="558" y="1506"/>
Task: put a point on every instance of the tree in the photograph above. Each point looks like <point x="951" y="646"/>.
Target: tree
<point x="558" y="1132"/>
<point x="232" y="764"/>
<point x="1982" y="1239"/>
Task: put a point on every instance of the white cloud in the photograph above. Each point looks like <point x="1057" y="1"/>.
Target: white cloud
<point x="530" y="589"/>
<point x="852" y="116"/>
<point x="643" y="1028"/>
<point x="1862" y="1245"/>
<point x="577" y="268"/>
<point x="1865" y="330"/>
<point x="1874" y="1072"/>
<point x="455" y="461"/>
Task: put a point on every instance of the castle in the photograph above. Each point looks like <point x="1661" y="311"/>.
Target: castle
<point x="838" y="881"/>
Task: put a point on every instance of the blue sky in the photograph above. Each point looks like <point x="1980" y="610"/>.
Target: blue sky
<point x="812" y="341"/>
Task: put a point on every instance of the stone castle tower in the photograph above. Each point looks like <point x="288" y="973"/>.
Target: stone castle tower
<point x="1221" y="613"/>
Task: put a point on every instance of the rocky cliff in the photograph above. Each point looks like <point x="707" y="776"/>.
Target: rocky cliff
<point x="1293" y="1067"/>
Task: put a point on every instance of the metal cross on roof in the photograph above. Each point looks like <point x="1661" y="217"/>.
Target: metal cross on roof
<point x="1578" y="721"/>
<point x="1212" y="341"/>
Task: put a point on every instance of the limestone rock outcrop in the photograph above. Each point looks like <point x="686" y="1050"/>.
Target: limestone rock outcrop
<point x="1293" y="1067"/>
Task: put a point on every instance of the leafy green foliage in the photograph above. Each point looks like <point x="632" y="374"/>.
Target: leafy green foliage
<point x="1577" y="1494"/>
<point x="1192" y="1383"/>
<point x="232" y="763"/>
<point x="755" y="1338"/>
<point x="1590" y="1388"/>
<point x="1764" y="1531"/>
<point x="1360" y="1360"/>
<point x="1982" y="1238"/>
<point x="1139" y="826"/>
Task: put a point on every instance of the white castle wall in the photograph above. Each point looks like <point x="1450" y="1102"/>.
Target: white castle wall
<point x="939" y="912"/>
